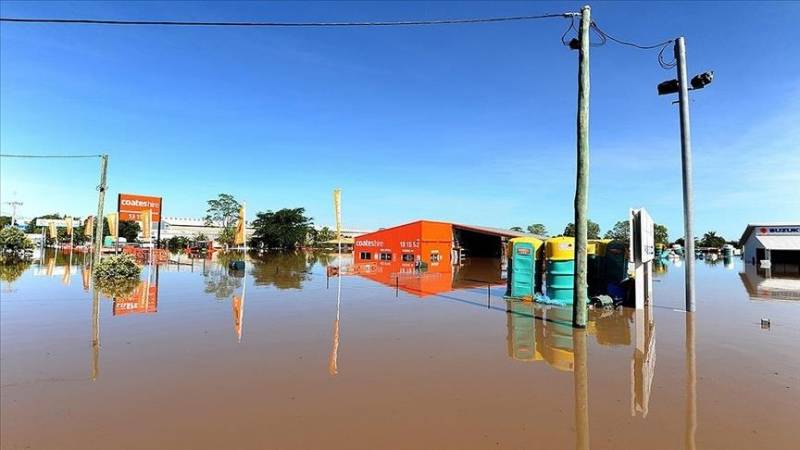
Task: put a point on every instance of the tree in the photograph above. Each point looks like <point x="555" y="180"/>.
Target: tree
<point x="223" y="211"/>
<point x="661" y="234"/>
<point x="711" y="239"/>
<point x="318" y="238"/>
<point x="619" y="232"/>
<point x="129" y="230"/>
<point x="592" y="231"/>
<point x="5" y="220"/>
<point x="12" y="239"/>
<point x="283" y="229"/>
<point x="538" y="229"/>
<point x="518" y="229"/>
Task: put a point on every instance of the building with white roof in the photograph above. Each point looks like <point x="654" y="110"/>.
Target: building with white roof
<point x="774" y="246"/>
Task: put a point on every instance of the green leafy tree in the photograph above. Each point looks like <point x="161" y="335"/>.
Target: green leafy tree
<point x="129" y="229"/>
<point x="711" y="239"/>
<point x="661" y="234"/>
<point x="12" y="239"/>
<point x="592" y="231"/>
<point x="619" y="232"/>
<point x="517" y="229"/>
<point x="5" y="221"/>
<point x="319" y="238"/>
<point x="538" y="229"/>
<point x="283" y="229"/>
<point x="223" y="211"/>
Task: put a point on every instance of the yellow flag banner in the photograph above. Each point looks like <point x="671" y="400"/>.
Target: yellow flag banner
<point x="113" y="225"/>
<point x="67" y="275"/>
<point x="337" y="206"/>
<point x="147" y="222"/>
<point x="52" y="230"/>
<point x="68" y="221"/>
<point x="86" y="276"/>
<point x="88" y="227"/>
<point x="240" y="227"/>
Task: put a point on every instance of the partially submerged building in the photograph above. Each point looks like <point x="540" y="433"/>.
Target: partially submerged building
<point x="433" y="243"/>
<point x="777" y="243"/>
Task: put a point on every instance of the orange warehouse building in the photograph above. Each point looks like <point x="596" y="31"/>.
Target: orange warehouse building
<point x="437" y="244"/>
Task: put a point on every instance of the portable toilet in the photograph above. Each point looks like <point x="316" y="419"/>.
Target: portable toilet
<point x="524" y="265"/>
<point x="560" y="269"/>
<point x="616" y="262"/>
<point x="596" y="254"/>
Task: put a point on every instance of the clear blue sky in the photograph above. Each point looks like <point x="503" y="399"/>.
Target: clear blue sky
<point x="467" y="123"/>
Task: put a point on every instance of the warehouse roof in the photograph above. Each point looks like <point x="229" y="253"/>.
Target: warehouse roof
<point x="765" y="226"/>
<point x="478" y="229"/>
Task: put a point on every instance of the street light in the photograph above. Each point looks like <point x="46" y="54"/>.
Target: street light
<point x="681" y="87"/>
<point x="698" y="82"/>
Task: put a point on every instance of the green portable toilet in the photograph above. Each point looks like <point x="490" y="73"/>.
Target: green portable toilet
<point x="524" y="258"/>
<point x="521" y="339"/>
<point x="616" y="262"/>
<point x="561" y="269"/>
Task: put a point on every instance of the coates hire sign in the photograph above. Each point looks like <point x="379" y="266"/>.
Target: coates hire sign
<point x="791" y="230"/>
<point x="131" y="206"/>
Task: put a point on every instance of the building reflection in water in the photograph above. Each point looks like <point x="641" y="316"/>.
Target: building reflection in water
<point x="765" y="284"/>
<point x="437" y="278"/>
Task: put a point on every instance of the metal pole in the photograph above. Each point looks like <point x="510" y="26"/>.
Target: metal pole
<point x="582" y="182"/>
<point x="98" y="222"/>
<point x="686" y="161"/>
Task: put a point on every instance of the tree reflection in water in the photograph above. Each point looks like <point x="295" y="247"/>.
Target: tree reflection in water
<point x="221" y="281"/>
<point x="283" y="270"/>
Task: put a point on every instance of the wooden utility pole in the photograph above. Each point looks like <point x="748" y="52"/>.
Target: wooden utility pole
<point x="582" y="182"/>
<point x="686" y="161"/>
<point x="101" y="199"/>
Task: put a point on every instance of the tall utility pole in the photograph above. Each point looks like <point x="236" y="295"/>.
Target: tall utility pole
<point x="686" y="160"/>
<point x="582" y="182"/>
<point x="98" y="222"/>
<point x="13" y="204"/>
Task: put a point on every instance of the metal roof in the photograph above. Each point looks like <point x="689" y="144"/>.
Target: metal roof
<point x="479" y="229"/>
<point x="495" y="231"/>
<point x="780" y="242"/>
<point x="751" y="226"/>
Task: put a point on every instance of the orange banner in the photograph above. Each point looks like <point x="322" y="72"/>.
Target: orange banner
<point x="131" y="207"/>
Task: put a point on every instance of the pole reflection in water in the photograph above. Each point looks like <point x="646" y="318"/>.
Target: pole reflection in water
<point x="691" y="384"/>
<point x="333" y="361"/>
<point x="643" y="362"/>
<point x="581" y="381"/>
<point x="95" y="333"/>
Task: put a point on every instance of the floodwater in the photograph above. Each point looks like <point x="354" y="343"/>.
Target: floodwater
<point x="281" y="356"/>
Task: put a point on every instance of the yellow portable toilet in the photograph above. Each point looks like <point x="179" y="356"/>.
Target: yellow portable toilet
<point x="524" y="265"/>
<point x="561" y="269"/>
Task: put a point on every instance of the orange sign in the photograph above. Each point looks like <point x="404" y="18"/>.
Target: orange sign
<point x="143" y="300"/>
<point x="131" y="207"/>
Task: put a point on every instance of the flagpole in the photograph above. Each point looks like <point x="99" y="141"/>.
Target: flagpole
<point x="244" y="260"/>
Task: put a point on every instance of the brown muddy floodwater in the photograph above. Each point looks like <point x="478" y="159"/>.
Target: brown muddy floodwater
<point x="190" y="361"/>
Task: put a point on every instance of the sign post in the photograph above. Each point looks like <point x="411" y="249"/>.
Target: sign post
<point x="642" y="251"/>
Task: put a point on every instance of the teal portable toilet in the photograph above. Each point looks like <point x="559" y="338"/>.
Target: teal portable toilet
<point x="524" y="267"/>
<point x="561" y="269"/>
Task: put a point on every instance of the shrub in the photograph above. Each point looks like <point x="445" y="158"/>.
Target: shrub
<point x="117" y="268"/>
<point x="13" y="239"/>
<point x="116" y="288"/>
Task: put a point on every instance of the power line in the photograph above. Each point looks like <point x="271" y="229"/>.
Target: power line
<point x="661" y="45"/>
<point x="284" y="24"/>
<point x="6" y="155"/>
